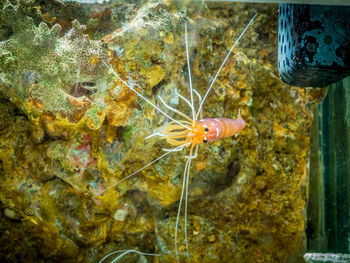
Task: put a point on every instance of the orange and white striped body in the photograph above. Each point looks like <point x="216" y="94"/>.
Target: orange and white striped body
<point x="219" y="128"/>
<point x="202" y="131"/>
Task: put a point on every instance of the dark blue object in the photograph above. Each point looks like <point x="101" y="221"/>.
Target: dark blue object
<point x="313" y="44"/>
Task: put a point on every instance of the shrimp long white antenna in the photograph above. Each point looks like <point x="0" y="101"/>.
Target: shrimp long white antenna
<point x="144" y="98"/>
<point x="186" y="193"/>
<point x="174" y="110"/>
<point x="126" y="251"/>
<point x="188" y="162"/>
<point x="198" y="95"/>
<point x="156" y="134"/>
<point x="223" y="63"/>
<point x="179" y="148"/>
<point x="186" y="100"/>
<point x="189" y="72"/>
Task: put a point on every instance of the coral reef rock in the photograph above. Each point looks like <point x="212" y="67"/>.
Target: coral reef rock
<point x="69" y="129"/>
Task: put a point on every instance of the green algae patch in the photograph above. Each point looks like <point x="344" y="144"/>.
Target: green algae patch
<point x="127" y="134"/>
<point x="95" y="121"/>
<point x="46" y="69"/>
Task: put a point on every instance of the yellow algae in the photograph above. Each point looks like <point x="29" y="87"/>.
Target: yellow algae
<point x="167" y="38"/>
<point x="33" y="221"/>
<point x="211" y="238"/>
<point x="280" y="131"/>
<point x="130" y="48"/>
<point x="200" y="165"/>
<point x="164" y="193"/>
<point x="94" y="60"/>
<point x="111" y="133"/>
<point x="118" y="113"/>
<point x="153" y="75"/>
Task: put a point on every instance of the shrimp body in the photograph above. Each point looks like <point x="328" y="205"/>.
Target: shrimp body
<point x="219" y="128"/>
<point x="202" y="131"/>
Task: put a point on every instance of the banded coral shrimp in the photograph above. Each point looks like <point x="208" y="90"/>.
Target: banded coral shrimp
<point x="186" y="133"/>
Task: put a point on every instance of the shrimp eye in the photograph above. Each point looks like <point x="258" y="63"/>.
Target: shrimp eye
<point x="205" y="140"/>
<point x="206" y="129"/>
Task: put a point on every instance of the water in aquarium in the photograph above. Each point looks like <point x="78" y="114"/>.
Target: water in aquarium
<point x="174" y="131"/>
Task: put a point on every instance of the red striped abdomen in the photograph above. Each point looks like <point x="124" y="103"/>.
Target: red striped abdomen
<point x="219" y="128"/>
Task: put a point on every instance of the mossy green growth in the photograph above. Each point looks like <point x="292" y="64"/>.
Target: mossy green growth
<point x="24" y="51"/>
<point x="127" y="134"/>
<point x="42" y="66"/>
<point x="93" y="115"/>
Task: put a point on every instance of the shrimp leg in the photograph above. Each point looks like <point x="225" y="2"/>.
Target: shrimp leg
<point x="188" y="163"/>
